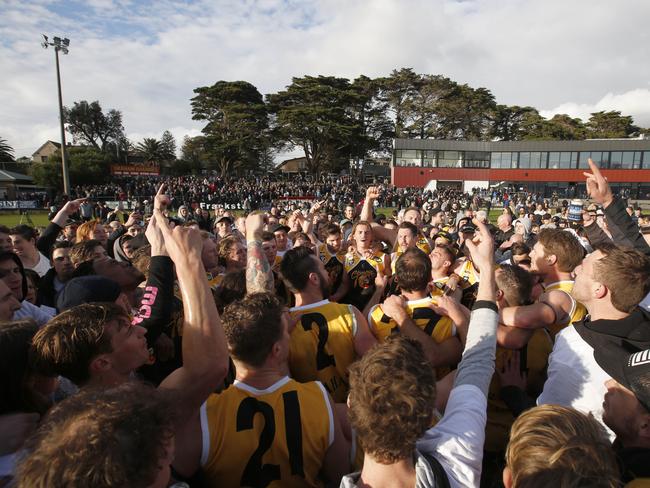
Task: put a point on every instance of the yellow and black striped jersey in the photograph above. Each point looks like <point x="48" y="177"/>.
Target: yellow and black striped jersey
<point x="276" y="437"/>
<point x="322" y="345"/>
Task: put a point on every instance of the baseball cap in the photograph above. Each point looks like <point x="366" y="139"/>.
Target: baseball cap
<point x="222" y="218"/>
<point x="86" y="289"/>
<point x="278" y="227"/>
<point x="630" y="370"/>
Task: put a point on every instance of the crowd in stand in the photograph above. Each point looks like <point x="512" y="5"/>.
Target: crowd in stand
<point x="323" y="343"/>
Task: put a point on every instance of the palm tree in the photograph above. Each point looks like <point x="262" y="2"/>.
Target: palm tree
<point x="150" y="149"/>
<point x="6" y="151"/>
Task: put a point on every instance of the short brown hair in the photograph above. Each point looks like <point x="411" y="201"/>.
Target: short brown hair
<point x="252" y="326"/>
<point x="392" y="394"/>
<point x="83" y="251"/>
<point x="413" y="270"/>
<point x="552" y="445"/>
<point x="68" y="343"/>
<point x="516" y="284"/>
<point x="618" y="269"/>
<point x="101" y="438"/>
<point x="564" y="246"/>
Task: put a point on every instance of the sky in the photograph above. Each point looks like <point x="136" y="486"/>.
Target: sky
<point x="146" y="57"/>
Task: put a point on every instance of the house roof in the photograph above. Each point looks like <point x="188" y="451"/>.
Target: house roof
<point x="57" y="144"/>
<point x="286" y="161"/>
<point x="10" y="176"/>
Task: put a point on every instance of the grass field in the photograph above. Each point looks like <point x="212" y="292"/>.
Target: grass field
<point x="39" y="217"/>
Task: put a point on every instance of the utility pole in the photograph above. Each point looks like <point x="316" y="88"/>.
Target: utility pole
<point x="60" y="45"/>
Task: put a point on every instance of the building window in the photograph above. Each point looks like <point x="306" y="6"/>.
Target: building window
<point x="429" y="160"/>
<point x="598" y="157"/>
<point x="503" y="160"/>
<point x="532" y="160"/>
<point x="408" y="157"/>
<point x="476" y="159"/>
<point x="646" y="160"/>
<point x="43" y="159"/>
<point x="450" y="159"/>
<point x="624" y="160"/>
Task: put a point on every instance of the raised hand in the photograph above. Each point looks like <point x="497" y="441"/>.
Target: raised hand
<point x="161" y="200"/>
<point x="597" y="185"/>
<point x="182" y="243"/>
<point x="133" y="218"/>
<point x="72" y="206"/>
<point x="155" y="237"/>
<point x="255" y="226"/>
<point x="372" y="193"/>
<point x="481" y="248"/>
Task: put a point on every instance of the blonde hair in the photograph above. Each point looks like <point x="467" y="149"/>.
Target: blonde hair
<point x="85" y="230"/>
<point x="556" y="446"/>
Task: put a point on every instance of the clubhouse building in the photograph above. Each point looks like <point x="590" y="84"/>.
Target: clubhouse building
<point x="545" y="167"/>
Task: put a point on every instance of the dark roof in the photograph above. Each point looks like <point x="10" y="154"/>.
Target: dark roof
<point x="11" y="176"/>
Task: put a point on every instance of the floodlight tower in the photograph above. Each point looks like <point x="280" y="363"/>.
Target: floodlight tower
<point x="60" y="45"/>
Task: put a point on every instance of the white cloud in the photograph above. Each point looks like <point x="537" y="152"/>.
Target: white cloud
<point x="145" y="58"/>
<point x="634" y="102"/>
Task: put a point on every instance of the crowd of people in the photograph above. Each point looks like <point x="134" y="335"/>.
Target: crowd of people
<point x="323" y="343"/>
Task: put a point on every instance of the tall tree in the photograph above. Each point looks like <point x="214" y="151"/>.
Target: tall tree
<point x="150" y="149"/>
<point x="88" y="124"/>
<point x="168" y="146"/>
<point x="376" y="130"/>
<point x="466" y="113"/>
<point x="312" y="113"/>
<point x="6" y="151"/>
<point x="237" y="123"/>
<point x="606" y="125"/>
<point x="514" y="123"/>
<point x="397" y="90"/>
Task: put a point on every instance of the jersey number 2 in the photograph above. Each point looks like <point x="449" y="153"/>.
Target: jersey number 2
<point x="323" y="360"/>
<point x="256" y="474"/>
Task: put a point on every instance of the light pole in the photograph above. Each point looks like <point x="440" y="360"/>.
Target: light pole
<point x="60" y="45"/>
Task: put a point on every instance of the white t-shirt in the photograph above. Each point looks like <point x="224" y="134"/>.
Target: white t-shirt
<point x="457" y="440"/>
<point x="574" y="377"/>
<point x="43" y="265"/>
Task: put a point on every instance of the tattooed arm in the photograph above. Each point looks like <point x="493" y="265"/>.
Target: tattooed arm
<point x="259" y="277"/>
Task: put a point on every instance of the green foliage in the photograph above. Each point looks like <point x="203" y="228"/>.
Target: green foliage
<point x="6" y="151"/>
<point x="313" y="113"/>
<point x="237" y="124"/>
<point x="88" y="124"/>
<point x="167" y="146"/>
<point x="335" y="120"/>
<point x="87" y="165"/>
<point x="606" y="125"/>
<point x="150" y="149"/>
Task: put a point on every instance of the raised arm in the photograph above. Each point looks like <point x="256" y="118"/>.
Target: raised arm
<point x="155" y="309"/>
<point x="477" y="365"/>
<point x="380" y="232"/>
<point x="624" y="230"/>
<point x="259" y="277"/>
<point x="51" y="232"/>
<point x="205" y="354"/>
